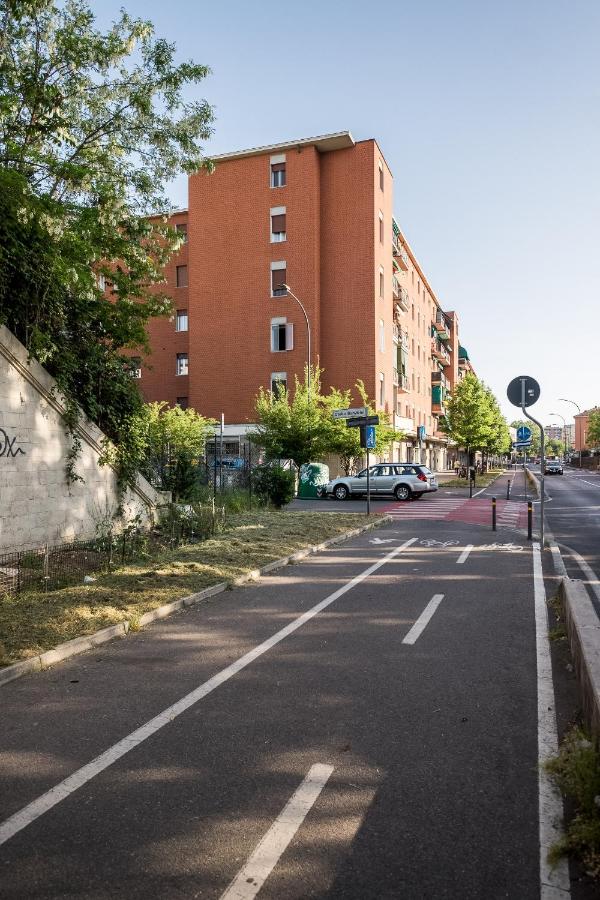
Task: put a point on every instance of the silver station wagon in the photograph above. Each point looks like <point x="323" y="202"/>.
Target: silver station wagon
<point x="404" y="481"/>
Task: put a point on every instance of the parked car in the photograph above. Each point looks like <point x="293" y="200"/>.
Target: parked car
<point x="403" y="481"/>
<point x="553" y="468"/>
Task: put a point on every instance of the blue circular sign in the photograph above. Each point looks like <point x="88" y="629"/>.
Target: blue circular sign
<point x="523" y="433"/>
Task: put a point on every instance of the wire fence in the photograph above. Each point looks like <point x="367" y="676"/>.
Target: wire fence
<point x="50" y="567"/>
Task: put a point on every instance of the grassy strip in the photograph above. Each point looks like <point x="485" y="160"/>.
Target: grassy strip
<point x="576" y="771"/>
<point x="481" y="480"/>
<point x="33" y="622"/>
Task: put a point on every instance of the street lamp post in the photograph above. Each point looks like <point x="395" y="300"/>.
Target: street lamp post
<point x="564" y="433"/>
<point x="291" y="293"/>
<point x="578" y="408"/>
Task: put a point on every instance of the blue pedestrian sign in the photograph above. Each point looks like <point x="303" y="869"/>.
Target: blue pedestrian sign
<point x="523" y="433"/>
<point x="370" y="437"/>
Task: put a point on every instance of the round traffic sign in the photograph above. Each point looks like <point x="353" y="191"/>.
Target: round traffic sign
<point x="523" y="433"/>
<point x="515" y="394"/>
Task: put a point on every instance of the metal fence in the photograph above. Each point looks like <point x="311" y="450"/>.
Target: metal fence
<point x="50" y="567"/>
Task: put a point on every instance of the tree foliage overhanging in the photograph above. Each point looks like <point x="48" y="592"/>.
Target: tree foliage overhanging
<point x="473" y="418"/>
<point x="92" y="126"/>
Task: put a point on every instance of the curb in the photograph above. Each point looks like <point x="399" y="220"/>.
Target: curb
<point x="534" y="481"/>
<point x="583" y="629"/>
<point x="81" y="644"/>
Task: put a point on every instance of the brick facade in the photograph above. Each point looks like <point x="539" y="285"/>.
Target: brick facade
<point x="363" y="297"/>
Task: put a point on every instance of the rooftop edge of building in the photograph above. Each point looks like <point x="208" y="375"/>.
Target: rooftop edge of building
<point x="324" y="143"/>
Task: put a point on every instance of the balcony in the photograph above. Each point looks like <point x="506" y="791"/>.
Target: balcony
<point x="400" y="254"/>
<point x="438" y="400"/>
<point x="400" y="295"/>
<point x="438" y="378"/>
<point x="441" y="325"/>
<point x="439" y="352"/>
<point x="403" y="423"/>
<point x="402" y="382"/>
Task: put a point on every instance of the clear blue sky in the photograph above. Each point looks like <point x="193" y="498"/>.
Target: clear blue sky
<point x="488" y="115"/>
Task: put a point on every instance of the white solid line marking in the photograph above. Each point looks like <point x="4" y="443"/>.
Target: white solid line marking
<point x="463" y="556"/>
<point x="261" y="863"/>
<point x="45" y="802"/>
<point x="423" y="619"/>
<point x="554" y="880"/>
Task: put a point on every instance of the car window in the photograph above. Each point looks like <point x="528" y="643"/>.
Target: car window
<point x="425" y="470"/>
<point x="405" y="470"/>
<point x="372" y="471"/>
<point x="385" y="470"/>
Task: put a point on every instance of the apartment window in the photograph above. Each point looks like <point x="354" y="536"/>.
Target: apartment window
<point x="380" y="175"/>
<point x="182" y="364"/>
<point x="413" y="380"/>
<point x="381" y="336"/>
<point x="181" y="320"/>
<point x="278" y="170"/>
<point x="101" y="282"/>
<point x="278" y="279"/>
<point x="381" y="390"/>
<point x="418" y="384"/>
<point x="181" y="230"/>
<point x="278" y="382"/>
<point x="413" y="346"/>
<point x="413" y="311"/>
<point x="381" y="282"/>
<point x="182" y="276"/>
<point x="381" y="227"/>
<point x="418" y="286"/>
<point x="418" y="351"/>
<point x="182" y="402"/>
<point x="278" y="230"/>
<point x="282" y="335"/>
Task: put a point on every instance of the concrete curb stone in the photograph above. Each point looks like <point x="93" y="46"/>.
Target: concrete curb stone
<point x="81" y="644"/>
<point x="583" y="629"/>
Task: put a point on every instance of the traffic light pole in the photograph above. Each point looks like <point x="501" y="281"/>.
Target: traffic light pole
<point x="542" y="459"/>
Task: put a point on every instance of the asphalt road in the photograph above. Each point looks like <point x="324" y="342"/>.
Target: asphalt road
<point x="573" y="514"/>
<point x="403" y="749"/>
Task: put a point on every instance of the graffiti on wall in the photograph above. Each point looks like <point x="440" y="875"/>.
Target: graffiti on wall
<point x="7" y="445"/>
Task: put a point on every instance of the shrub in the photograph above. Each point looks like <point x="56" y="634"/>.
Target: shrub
<point x="274" y="483"/>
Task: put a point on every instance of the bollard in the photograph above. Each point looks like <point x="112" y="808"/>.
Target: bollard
<point x="493" y="513"/>
<point x="529" y="519"/>
<point x="508" y="489"/>
<point x="470" y="488"/>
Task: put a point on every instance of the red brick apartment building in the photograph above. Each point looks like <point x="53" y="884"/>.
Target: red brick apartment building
<point x="315" y="214"/>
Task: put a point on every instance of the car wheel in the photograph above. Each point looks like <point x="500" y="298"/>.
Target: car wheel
<point x="341" y="492"/>
<point x="402" y="492"/>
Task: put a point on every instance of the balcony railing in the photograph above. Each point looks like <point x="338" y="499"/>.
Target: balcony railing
<point x="400" y="253"/>
<point x="402" y="382"/>
<point x="403" y="423"/>
<point x="400" y="294"/>
<point x="438" y="351"/>
<point x="438" y="378"/>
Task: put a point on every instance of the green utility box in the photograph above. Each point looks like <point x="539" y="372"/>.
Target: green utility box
<point x="312" y="476"/>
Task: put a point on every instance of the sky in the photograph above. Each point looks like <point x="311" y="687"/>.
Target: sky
<point x="488" y="116"/>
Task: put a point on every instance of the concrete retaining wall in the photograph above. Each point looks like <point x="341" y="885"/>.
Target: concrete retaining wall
<point x="38" y="504"/>
<point x="583" y="628"/>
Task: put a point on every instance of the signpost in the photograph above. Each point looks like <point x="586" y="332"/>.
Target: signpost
<point x="524" y="391"/>
<point x="358" y="417"/>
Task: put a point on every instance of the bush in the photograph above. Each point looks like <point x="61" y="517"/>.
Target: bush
<point x="274" y="483"/>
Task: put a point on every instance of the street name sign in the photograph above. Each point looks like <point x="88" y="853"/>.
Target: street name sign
<point x="523" y="433"/>
<point x="352" y="413"/>
<point x="358" y="423"/>
<point x="514" y="391"/>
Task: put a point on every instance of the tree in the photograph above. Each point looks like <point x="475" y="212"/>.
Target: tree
<point x="499" y="441"/>
<point x="593" y="428"/>
<point x="554" y="448"/>
<point x="469" y="416"/>
<point x="92" y="126"/>
<point x="301" y="427"/>
<point x="175" y="440"/>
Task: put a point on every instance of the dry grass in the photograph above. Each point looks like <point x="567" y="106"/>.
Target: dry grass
<point x="33" y="622"/>
<point x="481" y="480"/>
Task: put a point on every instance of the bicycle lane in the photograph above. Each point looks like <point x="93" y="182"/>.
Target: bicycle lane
<point x="432" y="745"/>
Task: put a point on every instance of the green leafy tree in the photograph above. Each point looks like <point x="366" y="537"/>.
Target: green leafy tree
<point x="175" y="441"/>
<point x="469" y="419"/>
<point x="593" y="429"/>
<point x="300" y="426"/>
<point x="273" y="484"/>
<point x="499" y="441"/>
<point x="92" y="126"/>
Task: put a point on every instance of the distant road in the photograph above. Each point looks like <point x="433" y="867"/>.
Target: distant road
<point x="573" y="514"/>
